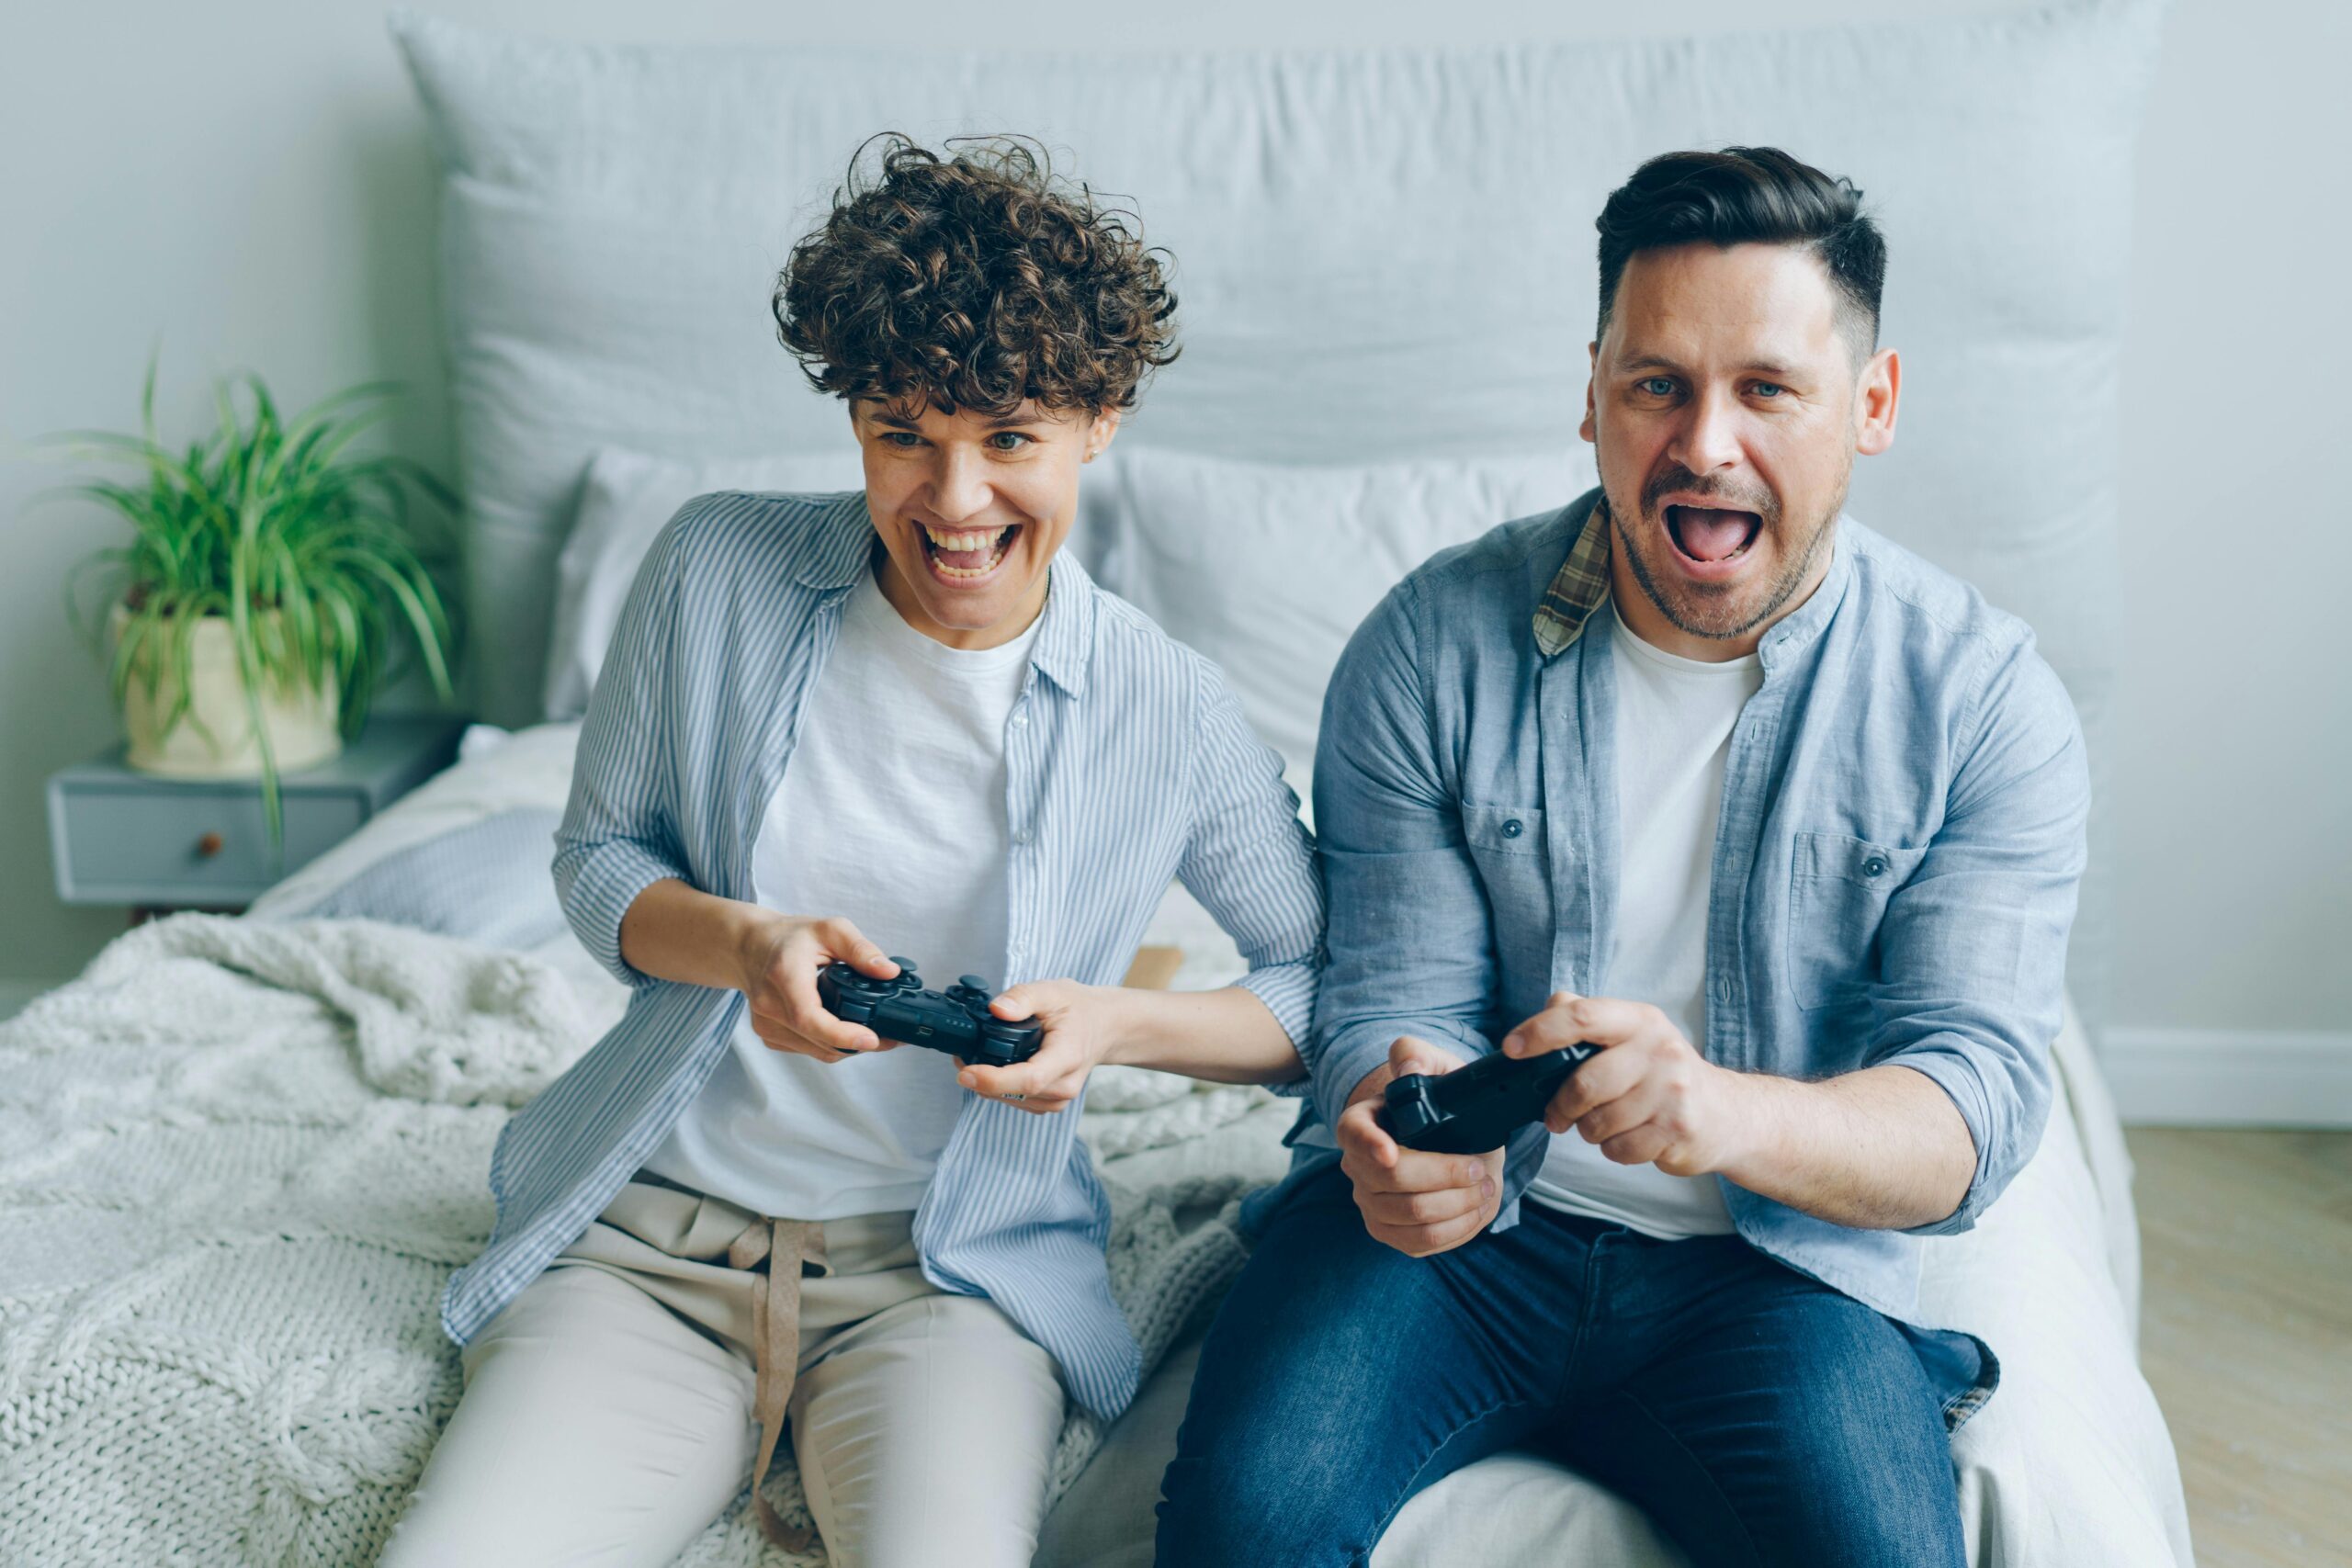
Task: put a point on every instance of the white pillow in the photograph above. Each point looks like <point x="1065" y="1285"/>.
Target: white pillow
<point x="626" y="500"/>
<point x="1268" y="569"/>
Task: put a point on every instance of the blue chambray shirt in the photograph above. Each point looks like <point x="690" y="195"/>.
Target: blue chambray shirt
<point x="1130" y="764"/>
<point x="1893" y="876"/>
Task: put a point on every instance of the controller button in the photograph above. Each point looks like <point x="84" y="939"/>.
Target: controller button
<point x="973" y="983"/>
<point x="1514" y="829"/>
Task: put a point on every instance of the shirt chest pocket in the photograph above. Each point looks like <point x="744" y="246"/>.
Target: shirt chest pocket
<point x="1508" y="846"/>
<point x="1837" y="899"/>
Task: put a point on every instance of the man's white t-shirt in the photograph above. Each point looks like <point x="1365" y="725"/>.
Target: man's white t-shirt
<point x="892" y="814"/>
<point x="1674" y="723"/>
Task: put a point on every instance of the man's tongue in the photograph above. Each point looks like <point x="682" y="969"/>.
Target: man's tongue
<point x="1706" y="533"/>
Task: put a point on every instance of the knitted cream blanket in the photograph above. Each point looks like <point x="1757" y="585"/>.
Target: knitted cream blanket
<point x="238" y="1161"/>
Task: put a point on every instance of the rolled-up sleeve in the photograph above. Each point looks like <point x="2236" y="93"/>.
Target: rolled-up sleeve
<point x="618" y="837"/>
<point x="1250" y="860"/>
<point x="1972" y="973"/>
<point x="1410" y="950"/>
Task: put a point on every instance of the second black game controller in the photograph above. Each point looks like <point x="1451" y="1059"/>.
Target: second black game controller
<point x="1478" y="1107"/>
<point x="956" y="1020"/>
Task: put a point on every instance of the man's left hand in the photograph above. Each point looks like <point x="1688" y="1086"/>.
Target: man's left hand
<point x="1648" y="1097"/>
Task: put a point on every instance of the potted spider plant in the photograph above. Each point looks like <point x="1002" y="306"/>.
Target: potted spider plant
<point x="271" y="579"/>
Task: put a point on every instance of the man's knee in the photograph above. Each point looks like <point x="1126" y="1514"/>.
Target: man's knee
<point x="1862" y="1473"/>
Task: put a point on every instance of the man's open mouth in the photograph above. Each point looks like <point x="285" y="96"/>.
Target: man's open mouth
<point x="1710" y="535"/>
<point x="967" y="552"/>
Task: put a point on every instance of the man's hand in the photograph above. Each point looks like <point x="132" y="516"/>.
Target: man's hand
<point x="781" y="957"/>
<point x="1082" y="1024"/>
<point x="1648" y="1097"/>
<point x="1417" y="1202"/>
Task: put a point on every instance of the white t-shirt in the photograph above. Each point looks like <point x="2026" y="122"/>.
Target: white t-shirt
<point x="1674" y="725"/>
<point x="892" y="814"/>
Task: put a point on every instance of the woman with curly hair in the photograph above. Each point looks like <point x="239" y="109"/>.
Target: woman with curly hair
<point x="826" y="723"/>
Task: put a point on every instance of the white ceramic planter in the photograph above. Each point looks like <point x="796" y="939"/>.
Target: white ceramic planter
<point x="301" y="721"/>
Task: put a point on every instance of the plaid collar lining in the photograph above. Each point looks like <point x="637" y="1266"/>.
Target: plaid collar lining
<point x="1579" y="586"/>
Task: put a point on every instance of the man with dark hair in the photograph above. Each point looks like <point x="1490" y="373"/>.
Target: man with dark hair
<point x="1783" y="821"/>
<point x="902" y="715"/>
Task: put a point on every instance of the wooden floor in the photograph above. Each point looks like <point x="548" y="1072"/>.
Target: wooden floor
<point x="2247" y="1335"/>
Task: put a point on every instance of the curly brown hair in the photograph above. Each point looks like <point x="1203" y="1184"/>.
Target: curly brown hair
<point x="974" y="281"/>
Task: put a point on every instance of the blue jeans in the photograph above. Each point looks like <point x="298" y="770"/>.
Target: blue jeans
<point x="1757" y="1415"/>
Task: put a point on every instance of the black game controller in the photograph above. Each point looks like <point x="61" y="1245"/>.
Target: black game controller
<point x="956" y="1020"/>
<point x="1478" y="1107"/>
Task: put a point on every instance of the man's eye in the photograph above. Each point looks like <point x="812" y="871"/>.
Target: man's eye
<point x="901" y="438"/>
<point x="1011" y="440"/>
<point x="1657" y="385"/>
<point x="1769" y="389"/>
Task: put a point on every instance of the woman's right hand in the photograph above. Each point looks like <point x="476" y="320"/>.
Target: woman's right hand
<point x="782" y="955"/>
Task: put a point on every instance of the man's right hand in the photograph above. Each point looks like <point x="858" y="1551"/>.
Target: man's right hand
<point x="1417" y="1202"/>
<point x="781" y="957"/>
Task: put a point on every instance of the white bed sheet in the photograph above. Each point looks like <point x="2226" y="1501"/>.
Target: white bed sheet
<point x="2069" y="1465"/>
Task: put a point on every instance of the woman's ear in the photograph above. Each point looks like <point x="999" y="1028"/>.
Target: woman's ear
<point x="1099" y="434"/>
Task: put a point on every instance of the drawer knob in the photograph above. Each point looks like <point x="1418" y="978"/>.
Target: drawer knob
<point x="208" y="846"/>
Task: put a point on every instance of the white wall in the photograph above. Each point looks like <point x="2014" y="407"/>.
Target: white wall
<point x="246" y="181"/>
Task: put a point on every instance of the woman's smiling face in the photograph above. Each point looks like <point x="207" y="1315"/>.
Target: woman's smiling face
<point x="970" y="508"/>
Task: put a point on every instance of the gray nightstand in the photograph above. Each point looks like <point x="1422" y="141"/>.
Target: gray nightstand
<point x="116" y="836"/>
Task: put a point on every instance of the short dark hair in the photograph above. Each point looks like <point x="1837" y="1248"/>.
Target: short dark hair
<point x="1742" y="195"/>
<point x="975" y="280"/>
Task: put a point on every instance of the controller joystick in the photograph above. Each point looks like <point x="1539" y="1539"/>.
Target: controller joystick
<point x="957" y="1021"/>
<point x="1478" y="1107"/>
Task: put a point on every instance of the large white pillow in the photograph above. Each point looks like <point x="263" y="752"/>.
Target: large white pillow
<point x="624" y="503"/>
<point x="1269" y="567"/>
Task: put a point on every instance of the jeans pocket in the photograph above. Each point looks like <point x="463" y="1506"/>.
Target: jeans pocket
<point x="1838" y="896"/>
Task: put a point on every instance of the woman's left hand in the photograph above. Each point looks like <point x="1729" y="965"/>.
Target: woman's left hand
<point x="1082" y="1028"/>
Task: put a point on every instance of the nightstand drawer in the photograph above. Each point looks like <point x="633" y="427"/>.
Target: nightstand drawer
<point x="121" y="837"/>
<point x="188" y="845"/>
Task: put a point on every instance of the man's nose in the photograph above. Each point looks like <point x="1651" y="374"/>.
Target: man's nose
<point x="1709" y="438"/>
<point x="959" y="486"/>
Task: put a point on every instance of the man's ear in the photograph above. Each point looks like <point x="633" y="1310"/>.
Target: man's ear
<point x="1592" y="369"/>
<point x="1876" y="396"/>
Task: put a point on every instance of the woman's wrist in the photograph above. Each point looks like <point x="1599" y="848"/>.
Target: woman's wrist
<point x="1124" y="1035"/>
<point x="749" y="930"/>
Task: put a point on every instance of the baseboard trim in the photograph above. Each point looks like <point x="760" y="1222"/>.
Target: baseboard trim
<point x="2214" y="1078"/>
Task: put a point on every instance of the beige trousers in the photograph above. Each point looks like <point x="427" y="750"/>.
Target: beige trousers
<point x="607" y="1417"/>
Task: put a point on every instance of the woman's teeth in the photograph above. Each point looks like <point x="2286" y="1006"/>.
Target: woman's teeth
<point x="965" y="552"/>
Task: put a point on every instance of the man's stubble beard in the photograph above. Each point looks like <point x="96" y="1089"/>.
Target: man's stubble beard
<point x="1776" y="596"/>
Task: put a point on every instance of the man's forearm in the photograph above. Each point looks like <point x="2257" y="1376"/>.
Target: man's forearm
<point x="1224" y="1036"/>
<point x="1882" y="1149"/>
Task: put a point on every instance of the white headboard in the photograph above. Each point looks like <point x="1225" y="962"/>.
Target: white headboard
<point x="1378" y="252"/>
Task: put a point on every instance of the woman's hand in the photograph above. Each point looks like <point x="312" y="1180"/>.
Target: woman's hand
<point x="1084" y="1025"/>
<point x="780" y="956"/>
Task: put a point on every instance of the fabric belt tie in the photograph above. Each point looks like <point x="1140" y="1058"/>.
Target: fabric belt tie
<point x="787" y="1246"/>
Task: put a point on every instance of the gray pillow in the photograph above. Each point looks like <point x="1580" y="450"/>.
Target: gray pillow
<point x="488" y="882"/>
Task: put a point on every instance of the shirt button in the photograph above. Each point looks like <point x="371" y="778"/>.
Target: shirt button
<point x="1020" y="718"/>
<point x="1022" y="837"/>
<point x="1874" y="866"/>
<point x="1512" y="829"/>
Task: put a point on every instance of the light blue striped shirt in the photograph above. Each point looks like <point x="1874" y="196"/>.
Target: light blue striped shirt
<point x="1130" y="764"/>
